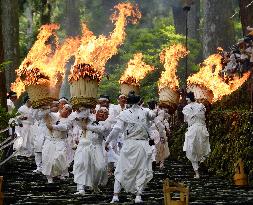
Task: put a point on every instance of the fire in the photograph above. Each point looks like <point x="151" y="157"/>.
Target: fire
<point x="170" y="57"/>
<point x="136" y="70"/>
<point x="208" y="76"/>
<point x="46" y="60"/>
<point x="94" y="51"/>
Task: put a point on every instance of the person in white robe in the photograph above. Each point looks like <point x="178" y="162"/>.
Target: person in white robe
<point x="26" y="132"/>
<point x="11" y="99"/>
<point x="115" y="145"/>
<point x="134" y="167"/>
<point x="54" y="152"/>
<point x="196" y="144"/>
<point x="41" y="116"/>
<point x="90" y="166"/>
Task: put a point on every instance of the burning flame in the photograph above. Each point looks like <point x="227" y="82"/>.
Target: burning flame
<point x="46" y="60"/>
<point x="136" y="70"/>
<point x="94" y="51"/>
<point x="170" y="57"/>
<point x="208" y="76"/>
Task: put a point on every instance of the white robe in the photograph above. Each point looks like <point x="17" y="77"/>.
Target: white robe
<point x="40" y="130"/>
<point x="134" y="167"/>
<point x="54" y="153"/>
<point x="26" y="132"/>
<point x="196" y="144"/>
<point x="90" y="165"/>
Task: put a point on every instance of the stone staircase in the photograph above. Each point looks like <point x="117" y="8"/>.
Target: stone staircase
<point x="22" y="186"/>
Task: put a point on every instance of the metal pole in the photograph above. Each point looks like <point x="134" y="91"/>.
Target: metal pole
<point x="186" y="46"/>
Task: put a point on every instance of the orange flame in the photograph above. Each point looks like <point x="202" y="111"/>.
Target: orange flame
<point x="94" y="51"/>
<point x="136" y="70"/>
<point x="208" y="76"/>
<point x="46" y="60"/>
<point x="170" y="57"/>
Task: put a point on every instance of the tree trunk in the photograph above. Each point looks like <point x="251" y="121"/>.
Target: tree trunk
<point x="194" y="20"/>
<point x="246" y="14"/>
<point x="10" y="31"/>
<point x="218" y="26"/>
<point x="72" y="19"/>
<point x="72" y="27"/>
<point x="179" y="16"/>
<point x="2" y="73"/>
<point x="45" y="12"/>
<point x="29" y="16"/>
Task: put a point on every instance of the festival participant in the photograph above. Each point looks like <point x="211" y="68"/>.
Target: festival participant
<point x="11" y="99"/>
<point x="26" y="117"/>
<point x="196" y="144"/>
<point x="40" y="133"/>
<point x="54" y="107"/>
<point x="54" y="152"/>
<point x="134" y="167"/>
<point x="62" y="101"/>
<point x="90" y="166"/>
<point x="116" y="145"/>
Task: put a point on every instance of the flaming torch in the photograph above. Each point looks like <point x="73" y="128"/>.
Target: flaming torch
<point x="168" y="83"/>
<point x="94" y="52"/>
<point x="136" y="70"/>
<point x="41" y="72"/>
<point x="208" y="86"/>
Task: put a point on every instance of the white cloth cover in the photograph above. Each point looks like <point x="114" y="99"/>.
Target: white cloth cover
<point x="196" y="144"/>
<point x="134" y="167"/>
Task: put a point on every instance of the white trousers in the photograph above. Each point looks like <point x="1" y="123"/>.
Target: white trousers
<point x="117" y="188"/>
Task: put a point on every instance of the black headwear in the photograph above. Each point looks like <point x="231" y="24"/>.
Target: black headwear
<point x="132" y="98"/>
<point x="26" y="98"/>
<point x="152" y="104"/>
<point x="191" y="96"/>
<point x="11" y="93"/>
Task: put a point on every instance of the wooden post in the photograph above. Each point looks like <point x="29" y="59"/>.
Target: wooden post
<point x="177" y="187"/>
<point x="240" y="178"/>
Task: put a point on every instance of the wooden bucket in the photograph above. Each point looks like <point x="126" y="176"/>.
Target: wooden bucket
<point x="176" y="187"/>
<point x="126" y="88"/>
<point x="42" y="93"/>
<point x="83" y="93"/>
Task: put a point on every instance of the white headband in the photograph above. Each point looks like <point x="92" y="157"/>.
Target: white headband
<point x="122" y="96"/>
<point x="63" y="100"/>
<point x="103" y="99"/>
<point x="69" y="107"/>
<point x="103" y="108"/>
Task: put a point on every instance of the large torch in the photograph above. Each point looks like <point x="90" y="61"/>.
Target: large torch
<point x="168" y="83"/>
<point x="208" y="85"/>
<point x="136" y="71"/>
<point x="93" y="54"/>
<point x="41" y="72"/>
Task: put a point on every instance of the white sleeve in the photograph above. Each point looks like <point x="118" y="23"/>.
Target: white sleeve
<point x="96" y="128"/>
<point x="117" y="128"/>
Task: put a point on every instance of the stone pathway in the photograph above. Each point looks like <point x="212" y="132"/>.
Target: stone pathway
<point x="22" y="186"/>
